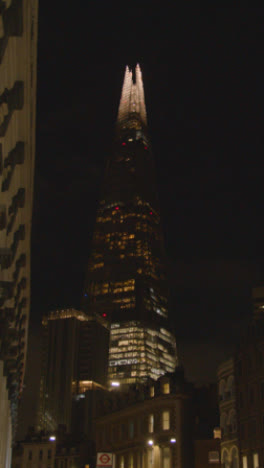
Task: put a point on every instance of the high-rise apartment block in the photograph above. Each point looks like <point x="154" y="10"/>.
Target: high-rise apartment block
<point x="18" y="49"/>
<point x="74" y="361"/>
<point x="126" y="278"/>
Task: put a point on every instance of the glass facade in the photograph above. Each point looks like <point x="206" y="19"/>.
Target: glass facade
<point x="126" y="278"/>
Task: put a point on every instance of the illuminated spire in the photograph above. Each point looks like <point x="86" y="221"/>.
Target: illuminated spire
<point x="132" y="97"/>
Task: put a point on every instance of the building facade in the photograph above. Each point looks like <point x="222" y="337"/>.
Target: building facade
<point x="126" y="278"/>
<point x="207" y="453"/>
<point x="228" y="414"/>
<point x="35" y="452"/>
<point x="249" y="376"/>
<point x="72" y="364"/>
<point x="50" y="450"/>
<point x="18" y="50"/>
<point x="150" y="426"/>
<point x="241" y="395"/>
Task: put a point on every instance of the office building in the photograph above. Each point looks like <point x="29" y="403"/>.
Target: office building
<point x="72" y="364"/>
<point x="126" y="277"/>
<point x="18" y="49"/>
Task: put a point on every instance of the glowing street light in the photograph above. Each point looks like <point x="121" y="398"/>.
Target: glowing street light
<point x="52" y="438"/>
<point x="173" y="441"/>
<point x="115" y="384"/>
<point x="150" y="442"/>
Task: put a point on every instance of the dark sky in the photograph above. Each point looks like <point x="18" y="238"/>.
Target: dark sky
<point x="204" y="88"/>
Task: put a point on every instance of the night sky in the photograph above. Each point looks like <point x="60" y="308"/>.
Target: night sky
<point x="204" y="89"/>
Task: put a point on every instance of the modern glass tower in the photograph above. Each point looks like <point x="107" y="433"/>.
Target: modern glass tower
<point x="126" y="279"/>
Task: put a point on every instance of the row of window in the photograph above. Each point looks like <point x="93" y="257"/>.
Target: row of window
<point x="131" y="461"/>
<point x="165" y="421"/>
<point x="40" y="454"/>
<point x="131" y="429"/>
<point x="255" y="460"/>
<point x="122" y="217"/>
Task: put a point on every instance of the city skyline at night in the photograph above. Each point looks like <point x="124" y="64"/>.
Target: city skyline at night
<point x="205" y="99"/>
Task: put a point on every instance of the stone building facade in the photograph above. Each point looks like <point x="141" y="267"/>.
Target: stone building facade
<point x="151" y="426"/>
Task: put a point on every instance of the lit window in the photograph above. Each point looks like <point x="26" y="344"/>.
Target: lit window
<point x="213" y="457"/>
<point x="152" y="391"/>
<point x="166" y="388"/>
<point x="244" y="461"/>
<point x="151" y="423"/>
<point x="166" y="457"/>
<point x="130" y="461"/>
<point x="165" y="420"/>
<point x="122" y="462"/>
<point x="255" y="460"/>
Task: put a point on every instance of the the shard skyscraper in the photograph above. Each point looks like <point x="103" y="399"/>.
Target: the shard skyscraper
<point x="126" y="278"/>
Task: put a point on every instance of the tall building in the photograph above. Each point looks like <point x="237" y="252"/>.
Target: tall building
<point x="126" y="277"/>
<point x="72" y="364"/>
<point x="18" y="49"/>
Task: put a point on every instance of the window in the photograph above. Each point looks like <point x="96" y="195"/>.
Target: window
<point x="130" y="461"/>
<point x="165" y="420"/>
<point x="131" y="429"/>
<point x="40" y="454"/>
<point x="30" y="455"/>
<point x="166" y="388"/>
<point x="166" y="457"/>
<point x="151" y="423"/>
<point x="49" y="454"/>
<point x="234" y="458"/>
<point x="244" y="461"/>
<point x="255" y="460"/>
<point x="122" y="462"/>
<point x="213" y="457"/>
<point x="152" y="391"/>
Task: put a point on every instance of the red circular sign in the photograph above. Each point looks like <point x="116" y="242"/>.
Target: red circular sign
<point x="104" y="458"/>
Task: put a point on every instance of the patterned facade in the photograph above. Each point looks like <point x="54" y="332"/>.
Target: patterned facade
<point x="126" y="278"/>
<point x="18" y="49"/>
